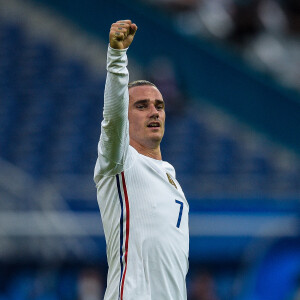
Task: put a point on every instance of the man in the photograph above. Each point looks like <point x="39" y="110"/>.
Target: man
<point x="143" y="209"/>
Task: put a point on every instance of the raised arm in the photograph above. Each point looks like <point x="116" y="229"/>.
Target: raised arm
<point x="114" y="139"/>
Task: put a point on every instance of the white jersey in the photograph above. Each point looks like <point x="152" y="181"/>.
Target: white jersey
<point x="143" y="208"/>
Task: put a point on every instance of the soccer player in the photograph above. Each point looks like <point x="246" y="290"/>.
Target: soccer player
<point x="143" y="208"/>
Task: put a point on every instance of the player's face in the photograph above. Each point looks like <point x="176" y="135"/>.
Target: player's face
<point x="146" y="116"/>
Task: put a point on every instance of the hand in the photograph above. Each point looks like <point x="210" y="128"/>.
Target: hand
<point x="121" y="34"/>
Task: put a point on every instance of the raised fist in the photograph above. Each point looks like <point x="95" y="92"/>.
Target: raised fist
<point x="121" y="34"/>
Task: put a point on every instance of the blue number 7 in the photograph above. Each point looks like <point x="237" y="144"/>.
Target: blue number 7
<point x="180" y="212"/>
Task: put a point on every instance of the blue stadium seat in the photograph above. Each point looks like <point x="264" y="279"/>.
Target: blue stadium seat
<point x="51" y="109"/>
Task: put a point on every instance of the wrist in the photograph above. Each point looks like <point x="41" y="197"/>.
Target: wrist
<point x="111" y="49"/>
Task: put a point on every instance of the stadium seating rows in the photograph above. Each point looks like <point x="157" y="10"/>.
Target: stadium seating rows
<point x="50" y="112"/>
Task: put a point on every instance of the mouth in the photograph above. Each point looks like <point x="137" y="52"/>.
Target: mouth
<point x="153" y="125"/>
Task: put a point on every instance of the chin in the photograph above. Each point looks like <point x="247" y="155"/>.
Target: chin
<point x="156" y="138"/>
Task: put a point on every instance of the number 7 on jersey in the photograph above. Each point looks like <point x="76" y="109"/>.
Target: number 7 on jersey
<point x="180" y="213"/>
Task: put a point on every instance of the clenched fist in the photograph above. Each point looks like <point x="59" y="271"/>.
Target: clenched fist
<point x="121" y="34"/>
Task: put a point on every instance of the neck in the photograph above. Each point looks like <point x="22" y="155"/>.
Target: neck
<point x="147" y="151"/>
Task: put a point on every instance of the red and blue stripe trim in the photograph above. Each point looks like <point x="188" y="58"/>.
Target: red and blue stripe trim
<point x="123" y="267"/>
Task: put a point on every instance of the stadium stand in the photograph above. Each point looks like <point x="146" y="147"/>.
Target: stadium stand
<point x="265" y="32"/>
<point x="51" y="110"/>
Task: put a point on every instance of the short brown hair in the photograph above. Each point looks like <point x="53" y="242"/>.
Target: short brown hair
<point x="140" y="83"/>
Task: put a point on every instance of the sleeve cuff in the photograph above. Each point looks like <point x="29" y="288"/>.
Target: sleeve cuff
<point x="116" y="51"/>
<point x="117" y="61"/>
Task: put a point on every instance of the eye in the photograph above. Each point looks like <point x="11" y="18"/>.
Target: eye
<point x="159" y="106"/>
<point x="140" y="106"/>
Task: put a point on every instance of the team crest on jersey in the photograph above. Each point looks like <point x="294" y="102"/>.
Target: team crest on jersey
<point x="171" y="180"/>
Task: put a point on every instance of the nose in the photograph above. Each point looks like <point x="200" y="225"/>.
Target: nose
<point x="153" y="112"/>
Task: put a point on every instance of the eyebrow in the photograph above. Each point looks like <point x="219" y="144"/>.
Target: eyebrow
<point x="144" y="101"/>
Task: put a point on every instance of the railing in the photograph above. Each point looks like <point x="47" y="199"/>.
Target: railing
<point x="37" y="217"/>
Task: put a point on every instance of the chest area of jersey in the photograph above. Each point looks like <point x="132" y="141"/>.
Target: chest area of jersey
<point x="156" y="199"/>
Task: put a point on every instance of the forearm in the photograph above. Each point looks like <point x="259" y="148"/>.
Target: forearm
<point x="114" y="127"/>
<point x="116" y="87"/>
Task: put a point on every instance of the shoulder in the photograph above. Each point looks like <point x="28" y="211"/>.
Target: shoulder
<point x="169" y="168"/>
<point x="105" y="167"/>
